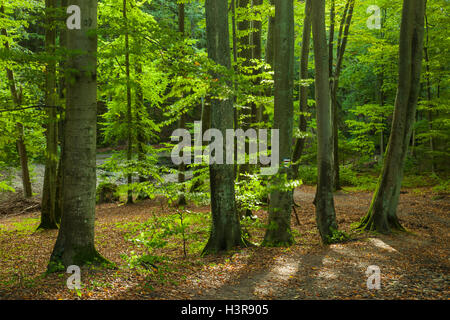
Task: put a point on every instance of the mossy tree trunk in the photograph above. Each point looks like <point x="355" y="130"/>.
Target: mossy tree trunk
<point x="225" y="230"/>
<point x="75" y="242"/>
<point x="324" y="202"/>
<point x="382" y="215"/>
<point x="279" y="230"/>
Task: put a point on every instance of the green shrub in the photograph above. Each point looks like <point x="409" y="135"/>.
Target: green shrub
<point x="308" y="174"/>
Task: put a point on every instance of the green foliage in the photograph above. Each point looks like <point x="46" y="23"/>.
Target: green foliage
<point x="189" y="228"/>
<point x="337" y="236"/>
<point x="308" y="174"/>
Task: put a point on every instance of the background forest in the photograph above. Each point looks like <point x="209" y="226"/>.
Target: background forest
<point x="158" y="70"/>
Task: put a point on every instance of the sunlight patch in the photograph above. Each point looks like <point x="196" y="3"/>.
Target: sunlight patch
<point x="381" y="244"/>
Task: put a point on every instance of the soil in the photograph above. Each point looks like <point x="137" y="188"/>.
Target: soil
<point x="413" y="264"/>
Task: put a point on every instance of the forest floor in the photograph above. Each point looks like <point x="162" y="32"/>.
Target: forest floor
<point x="413" y="265"/>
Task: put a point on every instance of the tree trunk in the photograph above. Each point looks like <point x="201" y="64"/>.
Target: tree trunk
<point x="75" y="242"/>
<point x="129" y="106"/>
<point x="382" y="215"/>
<point x="182" y="122"/>
<point x="304" y="59"/>
<point x="430" y="111"/>
<point x="279" y="230"/>
<point x="256" y="41"/>
<point x="342" y="44"/>
<point x="225" y="230"/>
<point x="324" y="202"/>
<point x="62" y="98"/>
<point x="49" y="195"/>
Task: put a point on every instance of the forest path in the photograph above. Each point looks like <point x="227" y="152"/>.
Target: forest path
<point x="413" y="265"/>
<point x="339" y="270"/>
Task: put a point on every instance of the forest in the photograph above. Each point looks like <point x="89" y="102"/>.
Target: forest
<point x="224" y="150"/>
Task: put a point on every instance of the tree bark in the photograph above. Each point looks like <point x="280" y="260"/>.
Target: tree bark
<point x="304" y="59"/>
<point x="382" y="215"/>
<point x="75" y="242"/>
<point x="49" y="195"/>
<point x="324" y="202"/>
<point x="429" y="96"/>
<point x="279" y="230"/>
<point x="342" y="44"/>
<point x="225" y="230"/>
<point x="129" y="105"/>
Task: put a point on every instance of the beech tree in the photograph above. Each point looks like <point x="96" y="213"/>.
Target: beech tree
<point x="324" y="202"/>
<point x="225" y="230"/>
<point x="75" y="242"/>
<point x="303" y="98"/>
<point x="382" y="215"/>
<point x="281" y="200"/>
<point x="49" y="218"/>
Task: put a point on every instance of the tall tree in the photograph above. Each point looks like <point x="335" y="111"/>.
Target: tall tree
<point x="304" y="59"/>
<point x="281" y="201"/>
<point x="344" y="30"/>
<point x="382" y="215"/>
<point x="129" y="106"/>
<point x="226" y="230"/>
<point x="324" y="202"/>
<point x="182" y="122"/>
<point x="49" y="218"/>
<point x="75" y="242"/>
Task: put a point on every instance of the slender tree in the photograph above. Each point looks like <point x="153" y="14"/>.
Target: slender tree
<point x="344" y="30"/>
<point x="129" y="116"/>
<point x="75" y="242"/>
<point x="226" y="230"/>
<point x="49" y="219"/>
<point x="382" y="215"/>
<point x="304" y="59"/>
<point x="324" y="202"/>
<point x="278" y="232"/>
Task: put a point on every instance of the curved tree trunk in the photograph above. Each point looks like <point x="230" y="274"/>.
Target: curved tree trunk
<point x="382" y="215"/>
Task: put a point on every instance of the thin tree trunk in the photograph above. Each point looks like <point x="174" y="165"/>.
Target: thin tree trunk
<point x="48" y="216"/>
<point x="129" y="106"/>
<point x="342" y="44"/>
<point x="182" y="122"/>
<point x="62" y="97"/>
<point x="324" y="202"/>
<point x="382" y="215"/>
<point x="429" y="96"/>
<point x="75" y="242"/>
<point x="279" y="231"/>
<point x="304" y="59"/>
